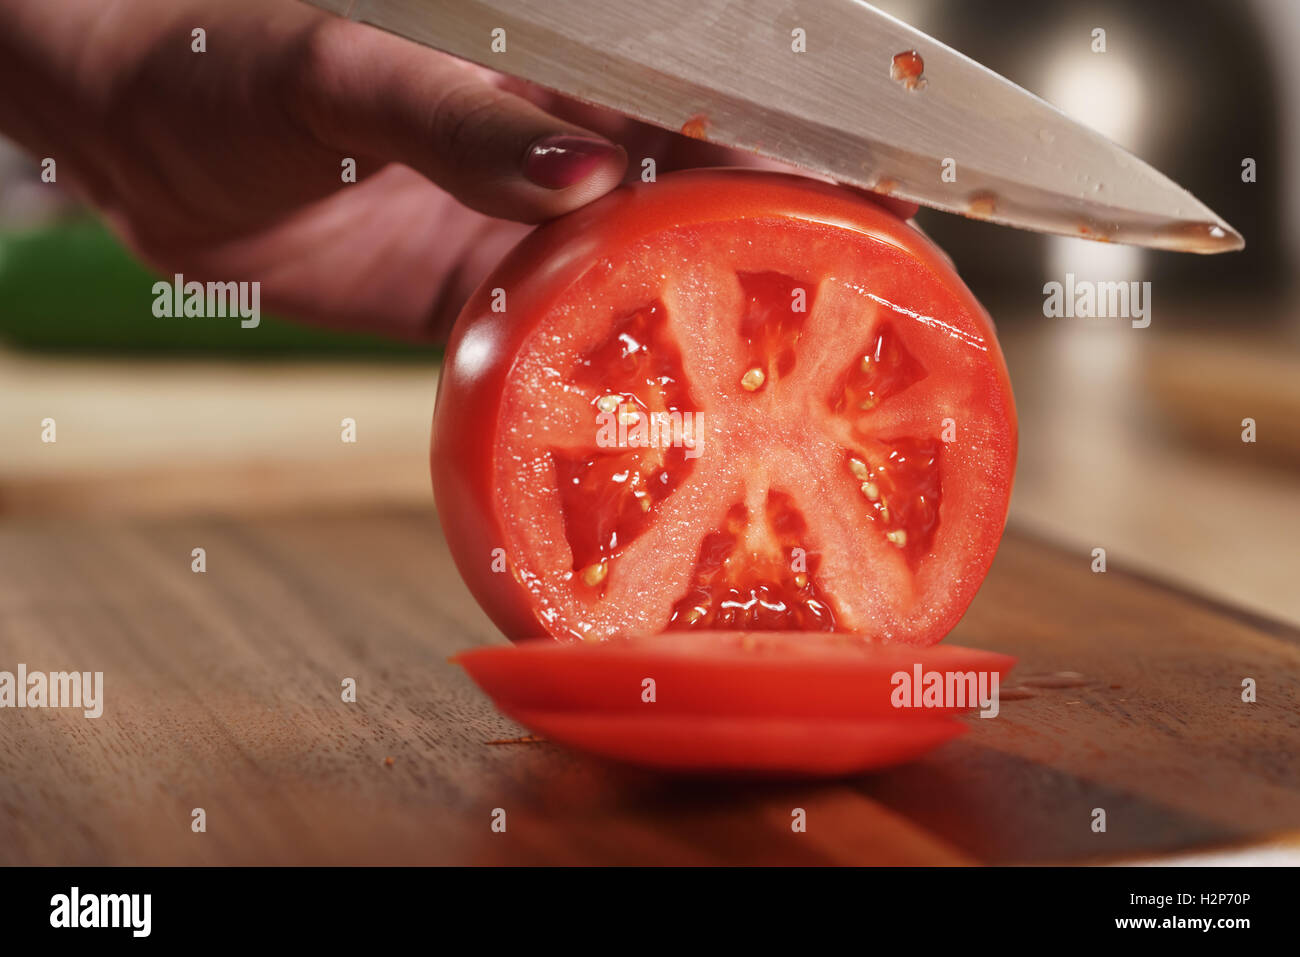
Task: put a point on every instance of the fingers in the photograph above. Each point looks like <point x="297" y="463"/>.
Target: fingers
<point x="377" y="95"/>
<point x="381" y="96"/>
<point x="672" y="150"/>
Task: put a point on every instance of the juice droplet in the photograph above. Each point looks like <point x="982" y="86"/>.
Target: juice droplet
<point x="696" y="127"/>
<point x="884" y="185"/>
<point x="908" y="69"/>
<point x="1014" y="694"/>
<point x="982" y="204"/>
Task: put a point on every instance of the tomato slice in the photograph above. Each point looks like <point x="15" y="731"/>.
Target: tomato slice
<point x="726" y="400"/>
<point x="723" y="674"/>
<point x="803" y="747"/>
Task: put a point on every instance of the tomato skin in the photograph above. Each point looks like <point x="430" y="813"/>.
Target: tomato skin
<point x="725" y="674"/>
<point x="790" y="704"/>
<point x="484" y="344"/>
<point x="765" y="747"/>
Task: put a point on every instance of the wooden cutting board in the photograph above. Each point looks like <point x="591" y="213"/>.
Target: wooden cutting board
<point x="222" y="692"/>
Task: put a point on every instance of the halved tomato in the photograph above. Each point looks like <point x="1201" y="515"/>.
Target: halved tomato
<point x="726" y="400"/>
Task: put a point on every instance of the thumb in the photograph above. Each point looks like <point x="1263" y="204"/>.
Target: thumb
<point x="385" y="97"/>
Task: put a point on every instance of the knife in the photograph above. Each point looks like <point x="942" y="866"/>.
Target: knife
<point x="870" y="102"/>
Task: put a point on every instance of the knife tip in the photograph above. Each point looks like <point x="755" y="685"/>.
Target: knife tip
<point x="1206" y="237"/>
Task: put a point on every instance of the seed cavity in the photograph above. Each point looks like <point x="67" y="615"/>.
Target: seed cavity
<point x="609" y="491"/>
<point x="882" y="370"/>
<point x="775" y="306"/>
<point x="752" y="578"/>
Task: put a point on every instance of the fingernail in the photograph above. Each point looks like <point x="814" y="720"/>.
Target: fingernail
<point x="558" y="162"/>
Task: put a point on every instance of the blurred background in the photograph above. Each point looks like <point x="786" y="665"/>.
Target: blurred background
<point x="1131" y="438"/>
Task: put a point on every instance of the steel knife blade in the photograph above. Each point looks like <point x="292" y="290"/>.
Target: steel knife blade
<point x="730" y="72"/>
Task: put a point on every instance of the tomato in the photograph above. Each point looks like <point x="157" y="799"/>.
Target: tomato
<point x="801" y="747"/>
<point x="725" y="400"/>
<point x="729" y="674"/>
<point x="760" y="702"/>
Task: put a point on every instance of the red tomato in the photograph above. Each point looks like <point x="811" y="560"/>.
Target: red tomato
<point x="726" y="674"/>
<point x="726" y="400"/>
<point x="804" y="747"/>
<point x="764" y="703"/>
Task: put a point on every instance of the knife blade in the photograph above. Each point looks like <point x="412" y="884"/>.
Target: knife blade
<point x="870" y="102"/>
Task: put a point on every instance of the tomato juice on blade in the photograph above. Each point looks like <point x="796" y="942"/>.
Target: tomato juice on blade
<point x="728" y="400"/>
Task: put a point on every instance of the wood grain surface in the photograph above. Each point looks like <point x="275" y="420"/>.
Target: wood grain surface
<point x="222" y="691"/>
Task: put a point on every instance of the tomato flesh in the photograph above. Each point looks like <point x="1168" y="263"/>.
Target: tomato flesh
<point x="726" y="401"/>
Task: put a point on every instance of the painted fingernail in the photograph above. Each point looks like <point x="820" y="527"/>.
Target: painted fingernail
<point x="558" y="162"/>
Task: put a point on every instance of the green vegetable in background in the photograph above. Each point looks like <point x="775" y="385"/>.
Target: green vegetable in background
<point x="73" y="288"/>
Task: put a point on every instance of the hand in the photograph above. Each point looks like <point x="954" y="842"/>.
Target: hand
<point x="227" y="164"/>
